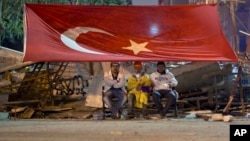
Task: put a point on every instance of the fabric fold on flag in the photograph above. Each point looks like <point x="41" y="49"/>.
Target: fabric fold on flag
<point x="124" y="33"/>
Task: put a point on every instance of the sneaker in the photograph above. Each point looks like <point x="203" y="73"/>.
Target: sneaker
<point x="130" y="116"/>
<point x="124" y="114"/>
<point x="144" y="113"/>
<point x="116" y="116"/>
<point x="160" y="116"/>
<point x="157" y="116"/>
<point x="145" y="117"/>
<point x="113" y="116"/>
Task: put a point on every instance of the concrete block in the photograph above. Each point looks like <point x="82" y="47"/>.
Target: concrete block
<point x="4" y="115"/>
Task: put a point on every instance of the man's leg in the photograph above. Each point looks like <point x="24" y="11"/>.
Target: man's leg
<point x="120" y="95"/>
<point x="131" y="101"/>
<point x="124" y="98"/>
<point x="107" y="100"/>
<point x="145" y="110"/>
<point x="157" y="100"/>
<point x="170" y="101"/>
<point x="144" y="101"/>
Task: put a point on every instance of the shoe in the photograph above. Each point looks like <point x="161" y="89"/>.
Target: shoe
<point x="160" y="116"/>
<point x="130" y="116"/>
<point x="116" y="116"/>
<point x="156" y="116"/>
<point x="145" y="116"/>
<point x="113" y="116"/>
<point x="124" y="114"/>
<point x="144" y="113"/>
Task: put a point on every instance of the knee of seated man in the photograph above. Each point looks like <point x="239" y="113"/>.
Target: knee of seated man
<point x="131" y="96"/>
<point x="156" y="93"/>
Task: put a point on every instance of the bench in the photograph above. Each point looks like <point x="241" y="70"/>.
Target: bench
<point x="197" y="100"/>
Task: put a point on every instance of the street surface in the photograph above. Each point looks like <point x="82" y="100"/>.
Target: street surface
<point x="170" y="129"/>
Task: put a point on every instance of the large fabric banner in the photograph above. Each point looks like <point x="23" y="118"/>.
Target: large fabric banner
<point x="124" y="33"/>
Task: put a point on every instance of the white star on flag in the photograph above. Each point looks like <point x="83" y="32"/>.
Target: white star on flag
<point x="136" y="48"/>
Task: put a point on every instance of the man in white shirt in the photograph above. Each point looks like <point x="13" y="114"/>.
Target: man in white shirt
<point x="163" y="82"/>
<point x="114" y="87"/>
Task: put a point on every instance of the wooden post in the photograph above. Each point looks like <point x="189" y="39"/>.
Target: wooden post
<point x="233" y="90"/>
<point x="241" y="97"/>
<point x="232" y="9"/>
<point x="91" y="68"/>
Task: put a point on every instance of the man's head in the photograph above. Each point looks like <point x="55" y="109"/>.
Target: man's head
<point x="138" y="66"/>
<point x="161" y="67"/>
<point x="115" y="66"/>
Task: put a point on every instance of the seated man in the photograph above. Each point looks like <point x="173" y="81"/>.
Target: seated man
<point x="139" y="86"/>
<point x="114" y="87"/>
<point x="163" y="82"/>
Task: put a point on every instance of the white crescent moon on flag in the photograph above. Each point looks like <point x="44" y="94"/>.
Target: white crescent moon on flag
<point x="69" y="38"/>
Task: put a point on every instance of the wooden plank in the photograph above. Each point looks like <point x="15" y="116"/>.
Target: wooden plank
<point x="15" y="66"/>
<point x="236" y="108"/>
<point x="195" y="98"/>
<point x="228" y="118"/>
<point x="185" y="95"/>
<point x="217" y="117"/>
<point x="181" y="101"/>
<point x="55" y="109"/>
<point x="199" y="112"/>
<point x="27" y="114"/>
<point x="21" y="102"/>
<point x="17" y="109"/>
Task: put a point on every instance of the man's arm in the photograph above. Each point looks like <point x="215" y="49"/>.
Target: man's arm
<point x="151" y="77"/>
<point x="132" y="83"/>
<point x="173" y="81"/>
<point x="120" y="81"/>
<point x="109" y="81"/>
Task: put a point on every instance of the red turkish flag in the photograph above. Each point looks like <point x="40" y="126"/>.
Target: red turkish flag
<point x="124" y="33"/>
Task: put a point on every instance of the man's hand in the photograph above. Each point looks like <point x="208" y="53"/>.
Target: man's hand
<point x="139" y="87"/>
<point x="170" y="85"/>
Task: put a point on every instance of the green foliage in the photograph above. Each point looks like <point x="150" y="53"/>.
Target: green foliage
<point x="11" y="20"/>
<point x="11" y="15"/>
